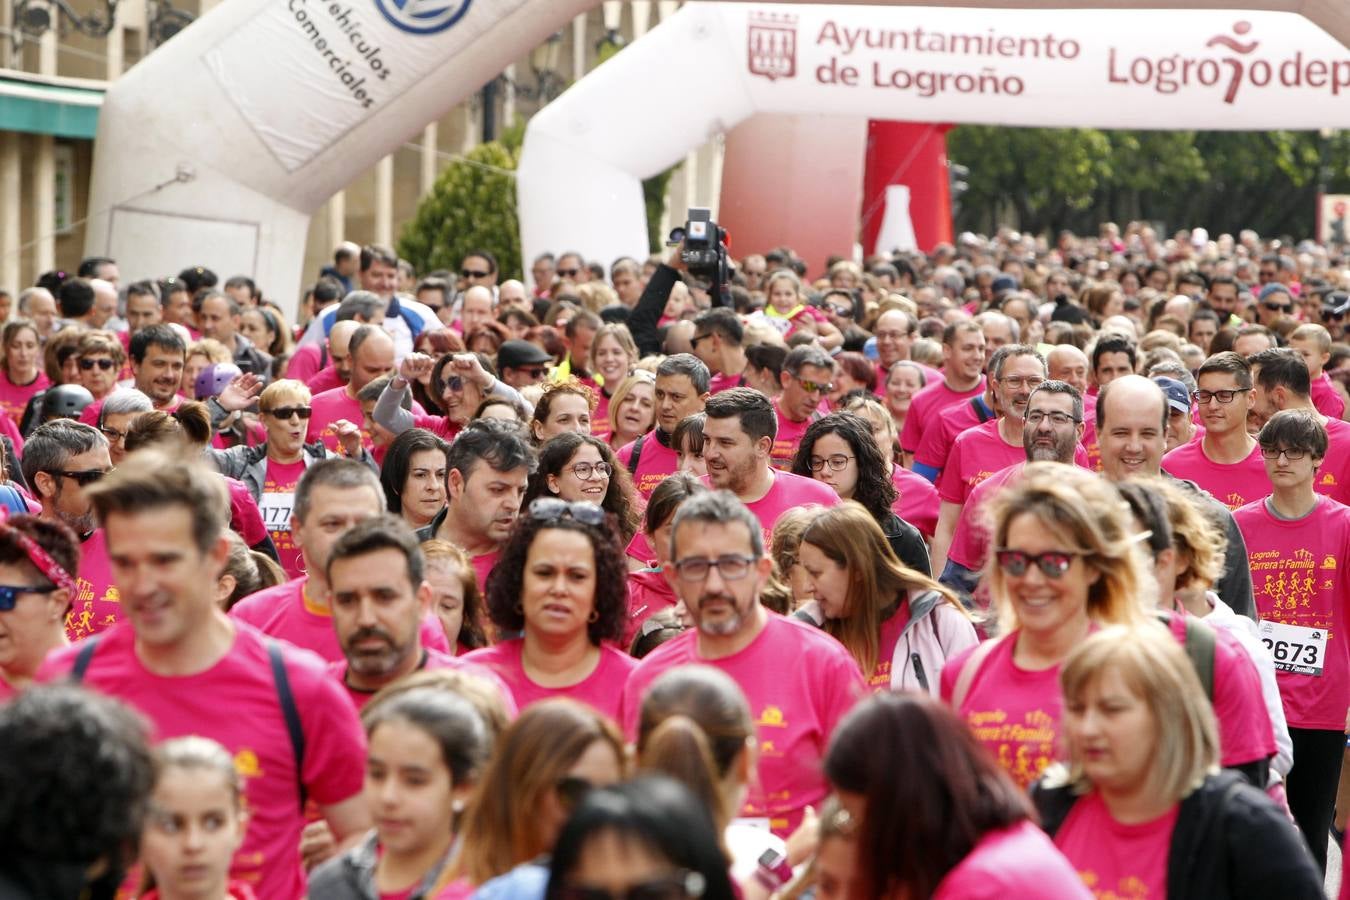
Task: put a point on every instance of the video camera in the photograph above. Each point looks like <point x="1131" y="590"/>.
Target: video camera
<point x="703" y="251"/>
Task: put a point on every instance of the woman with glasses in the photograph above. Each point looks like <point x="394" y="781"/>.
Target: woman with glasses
<point x="646" y="840"/>
<point x="613" y="355"/>
<point x="559" y="584"/>
<point x="543" y="765"/>
<point x="632" y="408"/>
<point x="413" y="476"/>
<point x="1064" y="562"/>
<point x="1140" y="808"/>
<point x="563" y="406"/>
<point x="458" y="382"/>
<point x="21" y="375"/>
<point x="840" y="451"/>
<point x="272" y="470"/>
<point x="931" y="815"/>
<point x="899" y="624"/>
<point x="581" y="468"/>
<point x="917" y="500"/>
<point x="38" y="562"/>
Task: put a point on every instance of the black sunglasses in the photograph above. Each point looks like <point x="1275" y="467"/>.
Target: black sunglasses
<point x="104" y="364"/>
<point x="1278" y="307"/>
<point x="569" y="273"/>
<point x="285" y="412"/>
<point x="83" y="477"/>
<point x="470" y="273"/>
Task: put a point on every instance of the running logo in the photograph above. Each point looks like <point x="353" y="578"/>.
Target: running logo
<point x="423" y="16"/>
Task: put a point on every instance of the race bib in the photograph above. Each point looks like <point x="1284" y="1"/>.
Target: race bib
<point x="1295" y="649"/>
<point x="276" y="511"/>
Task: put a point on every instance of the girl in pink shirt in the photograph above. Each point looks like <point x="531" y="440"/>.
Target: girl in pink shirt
<point x="613" y="355"/>
<point x="21" y="374"/>
<point x="932" y="814"/>
<point x="1140" y="809"/>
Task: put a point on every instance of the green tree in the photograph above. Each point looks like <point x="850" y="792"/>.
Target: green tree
<point x="472" y="205"/>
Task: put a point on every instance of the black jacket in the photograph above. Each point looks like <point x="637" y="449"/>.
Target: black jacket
<point x="1230" y="842"/>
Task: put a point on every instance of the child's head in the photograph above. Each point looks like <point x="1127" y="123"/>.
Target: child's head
<point x="426" y="747"/>
<point x="784" y="291"/>
<point x="1313" y="343"/>
<point x="195" y="821"/>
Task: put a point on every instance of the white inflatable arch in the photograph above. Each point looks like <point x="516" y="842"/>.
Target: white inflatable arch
<point x="218" y="147"/>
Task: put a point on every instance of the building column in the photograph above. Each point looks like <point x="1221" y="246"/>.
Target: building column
<point x="579" y="47"/>
<point x="384" y="201"/>
<point x="44" y="203"/>
<point x="430" y="154"/>
<point x="472" y="121"/>
<point x="508" y="99"/>
<point x="11" y="222"/>
<point x="47" y="52"/>
<point x="337" y="218"/>
<point x="115" y="46"/>
<point x="642" y="17"/>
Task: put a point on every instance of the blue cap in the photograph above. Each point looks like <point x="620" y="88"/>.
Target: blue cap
<point x="1273" y="288"/>
<point x="1177" y="396"/>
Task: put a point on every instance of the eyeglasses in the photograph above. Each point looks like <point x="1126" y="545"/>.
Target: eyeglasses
<point x="454" y="383"/>
<point x="835" y="462"/>
<point x="812" y="387"/>
<point x="113" y="435"/>
<point x="1058" y="419"/>
<point x="584" y="470"/>
<point x="568" y="273"/>
<point x="693" y="341"/>
<point x="9" y="593"/>
<point x="551" y="509"/>
<point x="1052" y="563"/>
<point x="1015" y="382"/>
<point x="1278" y="307"/>
<point x="285" y="412"/>
<point x="1291" y="455"/>
<point x="470" y="273"/>
<point x="81" y="478"/>
<point x="844" y="311"/>
<point x="87" y="365"/>
<point x="732" y="567"/>
<point x="681" y="885"/>
<point x="1224" y="397"/>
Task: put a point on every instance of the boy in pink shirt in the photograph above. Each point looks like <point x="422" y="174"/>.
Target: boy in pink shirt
<point x="799" y="681"/>
<point x="190" y="670"/>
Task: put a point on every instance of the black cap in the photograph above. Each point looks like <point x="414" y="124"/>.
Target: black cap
<point x="514" y="354"/>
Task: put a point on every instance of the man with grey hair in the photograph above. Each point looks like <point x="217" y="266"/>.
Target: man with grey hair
<point x="120" y="408"/>
<point x="39" y="305"/>
<point x="799" y="681"/>
<point x="806" y="375"/>
<point x="60" y="460"/>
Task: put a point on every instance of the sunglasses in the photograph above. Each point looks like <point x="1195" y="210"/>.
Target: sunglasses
<point x="470" y="273"/>
<point x="104" y="364"/>
<point x="1279" y="307"/>
<point x="286" y="412"/>
<point x="83" y="478"/>
<point x="551" y="509"/>
<point x="535" y="371"/>
<point x="680" y="885"/>
<point x="1052" y="563"/>
<point x="9" y="593"/>
<point x="569" y="273"/>
<point x="812" y="387"/>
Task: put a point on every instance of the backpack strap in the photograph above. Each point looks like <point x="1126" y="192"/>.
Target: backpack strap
<point x="982" y="412"/>
<point x="323" y="356"/>
<point x="291" y="714"/>
<point x="1200" y="646"/>
<point x="637" y="454"/>
<point x="84" y="658"/>
<point x="972" y="668"/>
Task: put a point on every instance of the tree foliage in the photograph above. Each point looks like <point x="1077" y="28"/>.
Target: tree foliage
<point x="472" y="205"/>
<point x="1046" y="179"/>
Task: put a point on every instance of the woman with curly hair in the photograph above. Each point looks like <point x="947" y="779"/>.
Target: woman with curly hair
<point x="560" y="583"/>
<point x="581" y="468"/>
<point x="840" y="451"/>
<point x="564" y="406"/>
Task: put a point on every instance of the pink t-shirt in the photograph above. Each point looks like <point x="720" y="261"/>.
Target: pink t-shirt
<point x="286" y="612"/>
<point x="328" y="407"/>
<point x="879" y="680"/>
<point x="978" y="453"/>
<point x="1089" y="442"/>
<point x="97" y="604"/>
<point x="1014" y="712"/>
<point x="799" y="681"/>
<point x="600" y="418"/>
<point x="1232" y="484"/>
<point x="917" y="501"/>
<point x="245" y="517"/>
<point x="788" y="492"/>
<point x="304" y="362"/>
<point x="654" y="465"/>
<point x="441" y="426"/>
<point x="648" y="594"/>
<point x="235" y="702"/>
<point x="724" y="382"/>
<point x="14" y="397"/>
<point x="939" y="436"/>
<point x="483" y="565"/>
<point x="1295" y="582"/>
<point x="1017" y="861"/>
<point x="926" y="407"/>
<point x="431" y="659"/>
<point x="324" y="380"/>
<point x="970" y="541"/>
<point x="1333" y="477"/>
<point x="788" y="439"/>
<point x="599" y="690"/>
<point x="1114" y="859"/>
<point x="278" y="498"/>
<point x="1326" y="398"/>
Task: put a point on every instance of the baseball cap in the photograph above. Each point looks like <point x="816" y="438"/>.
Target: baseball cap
<point x="1178" y="397"/>
<point x="514" y="354"/>
<point x="1336" y="303"/>
<point x="1273" y="288"/>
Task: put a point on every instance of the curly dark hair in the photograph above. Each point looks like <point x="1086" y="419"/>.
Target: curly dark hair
<point x="84" y="761"/>
<point x="505" y="581"/>
<point x="620" y="499"/>
<point x="875" y="490"/>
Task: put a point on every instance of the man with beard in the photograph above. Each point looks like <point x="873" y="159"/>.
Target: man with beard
<point x="379" y="598"/>
<point x="60" y="459"/>
<point x="1051" y="430"/>
<point x="799" y="681"/>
